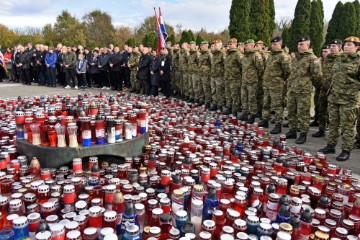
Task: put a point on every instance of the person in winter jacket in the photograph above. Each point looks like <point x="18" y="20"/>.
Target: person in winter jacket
<point x="50" y="63"/>
<point x="81" y="66"/>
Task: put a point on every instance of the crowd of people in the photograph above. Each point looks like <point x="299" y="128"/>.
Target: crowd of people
<point x="245" y="79"/>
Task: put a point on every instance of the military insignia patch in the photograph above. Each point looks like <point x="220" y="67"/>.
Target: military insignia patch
<point x="349" y="68"/>
<point x="286" y="59"/>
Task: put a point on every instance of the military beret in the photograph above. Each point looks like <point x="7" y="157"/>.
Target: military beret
<point x="304" y="38"/>
<point x="325" y="47"/>
<point x="192" y="42"/>
<point x="168" y="42"/>
<point x="217" y="41"/>
<point x="276" y="39"/>
<point x="240" y="44"/>
<point x="259" y="42"/>
<point x="233" y="40"/>
<point x="352" y="39"/>
<point x="249" y="41"/>
<point x="204" y="42"/>
<point x="336" y="41"/>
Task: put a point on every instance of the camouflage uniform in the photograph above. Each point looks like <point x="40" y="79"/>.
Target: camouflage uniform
<point x="193" y="78"/>
<point x="183" y="72"/>
<point x="217" y="78"/>
<point x="252" y="69"/>
<point x="305" y="69"/>
<point x="324" y="86"/>
<point x="232" y="78"/>
<point x="204" y="75"/>
<point x="276" y="72"/>
<point x="134" y="62"/>
<point x="260" y="88"/>
<point x="175" y="70"/>
<point x="344" y="100"/>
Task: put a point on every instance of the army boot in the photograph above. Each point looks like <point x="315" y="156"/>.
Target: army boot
<point x="328" y="149"/>
<point x="276" y="129"/>
<point x="226" y="111"/>
<point x="302" y="138"/>
<point x="243" y="117"/>
<point x="291" y="134"/>
<point x="264" y="123"/>
<point x="285" y="125"/>
<point x="207" y="105"/>
<point x="320" y="133"/>
<point x="343" y="156"/>
<point x="191" y="100"/>
<point x="314" y="123"/>
<point x="213" y="107"/>
<point x="251" y="118"/>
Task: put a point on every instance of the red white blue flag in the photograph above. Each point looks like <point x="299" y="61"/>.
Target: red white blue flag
<point x="161" y="39"/>
<point x="162" y="25"/>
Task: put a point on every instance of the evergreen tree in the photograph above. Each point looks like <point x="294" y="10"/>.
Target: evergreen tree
<point x="131" y="42"/>
<point x="348" y="28"/>
<point x="301" y="24"/>
<point x="316" y="26"/>
<point x="259" y="19"/>
<point x="171" y="39"/>
<point x="199" y="39"/>
<point x="285" y="35"/>
<point x="184" y="37"/>
<point x="357" y="13"/>
<point x="239" y="26"/>
<point x="335" y="23"/>
<point x="271" y="18"/>
<point x="191" y="36"/>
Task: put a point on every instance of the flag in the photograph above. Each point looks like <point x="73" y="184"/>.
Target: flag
<point x="161" y="40"/>
<point x="162" y="25"/>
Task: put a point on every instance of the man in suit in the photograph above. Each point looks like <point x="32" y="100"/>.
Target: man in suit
<point x="165" y="72"/>
<point x="115" y="62"/>
<point x="144" y="71"/>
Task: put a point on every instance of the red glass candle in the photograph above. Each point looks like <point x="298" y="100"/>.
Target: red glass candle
<point x="110" y="219"/>
<point x="95" y="218"/>
<point x="165" y="205"/>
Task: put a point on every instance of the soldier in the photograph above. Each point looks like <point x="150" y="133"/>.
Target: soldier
<point x="217" y="77"/>
<point x="327" y="65"/>
<point x="357" y="138"/>
<point x="132" y="64"/>
<point x="252" y="69"/>
<point x="205" y="60"/>
<point x="175" y="70"/>
<point x="232" y="78"/>
<point x="305" y="71"/>
<point x="193" y="76"/>
<point x="241" y="47"/>
<point x="344" y="99"/>
<point x="169" y="48"/>
<point x="184" y="76"/>
<point x="260" y="46"/>
<point x="276" y="73"/>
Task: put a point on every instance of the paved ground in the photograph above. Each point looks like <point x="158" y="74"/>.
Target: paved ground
<point x="10" y="90"/>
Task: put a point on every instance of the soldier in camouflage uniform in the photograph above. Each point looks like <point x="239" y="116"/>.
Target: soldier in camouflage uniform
<point x="259" y="45"/>
<point x="232" y="78"/>
<point x="193" y="82"/>
<point x="183" y="71"/>
<point x="305" y="71"/>
<point x="241" y="47"/>
<point x="252" y="69"/>
<point x="205" y="60"/>
<point x="169" y="48"/>
<point x="217" y="77"/>
<point x="277" y="71"/>
<point x="357" y="138"/>
<point x="344" y="99"/>
<point x="175" y="70"/>
<point x="132" y="64"/>
<point x="327" y="65"/>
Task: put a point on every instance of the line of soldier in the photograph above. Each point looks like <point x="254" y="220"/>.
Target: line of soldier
<point x="245" y="80"/>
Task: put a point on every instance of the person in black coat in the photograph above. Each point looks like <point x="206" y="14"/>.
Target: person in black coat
<point x="155" y="73"/>
<point x="144" y="71"/>
<point x="94" y="68"/>
<point x="24" y="63"/>
<point x="103" y="64"/>
<point x="165" y="72"/>
<point x="125" y="70"/>
<point x="40" y="64"/>
<point x="115" y="62"/>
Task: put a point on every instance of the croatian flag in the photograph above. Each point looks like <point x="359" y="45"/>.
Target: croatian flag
<point x="162" y="25"/>
<point x="161" y="40"/>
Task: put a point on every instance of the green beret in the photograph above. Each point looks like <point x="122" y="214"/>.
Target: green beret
<point x="192" y="42"/>
<point x="204" y="42"/>
<point x="249" y="41"/>
<point x="240" y="44"/>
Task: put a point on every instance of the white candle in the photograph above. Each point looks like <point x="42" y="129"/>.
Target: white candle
<point x="73" y="141"/>
<point x="36" y="139"/>
<point x="61" y="141"/>
<point x="197" y="221"/>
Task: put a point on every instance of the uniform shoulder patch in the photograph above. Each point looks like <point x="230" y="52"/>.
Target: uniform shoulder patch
<point x="286" y="59"/>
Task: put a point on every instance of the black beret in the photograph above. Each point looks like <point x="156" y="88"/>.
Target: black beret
<point x="325" y="47"/>
<point x="304" y="38"/>
<point x="276" y="39"/>
<point x="336" y="41"/>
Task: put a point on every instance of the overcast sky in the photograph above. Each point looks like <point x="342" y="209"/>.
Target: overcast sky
<point x="191" y="14"/>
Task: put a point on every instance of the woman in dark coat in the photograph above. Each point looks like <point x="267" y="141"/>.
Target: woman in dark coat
<point x="154" y="73"/>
